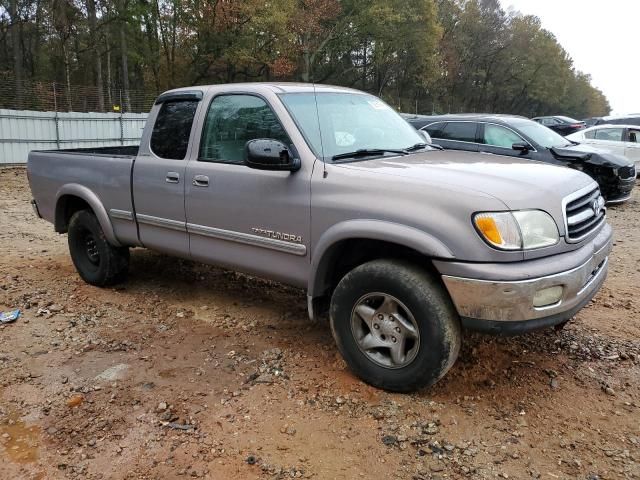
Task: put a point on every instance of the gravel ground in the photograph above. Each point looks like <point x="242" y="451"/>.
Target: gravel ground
<point x="192" y="371"/>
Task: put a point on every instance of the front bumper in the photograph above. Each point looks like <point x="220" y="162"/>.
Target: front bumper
<point x="618" y="191"/>
<point x="507" y="306"/>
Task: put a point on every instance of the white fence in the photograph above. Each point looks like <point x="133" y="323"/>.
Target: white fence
<point x="22" y="131"/>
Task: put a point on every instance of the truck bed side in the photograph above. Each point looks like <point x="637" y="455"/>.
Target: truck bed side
<point x="64" y="181"/>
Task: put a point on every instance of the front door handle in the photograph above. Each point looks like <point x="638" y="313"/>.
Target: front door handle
<point x="173" y="177"/>
<point x="200" y="181"/>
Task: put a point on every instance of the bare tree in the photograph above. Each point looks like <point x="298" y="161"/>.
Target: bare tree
<point x="94" y="45"/>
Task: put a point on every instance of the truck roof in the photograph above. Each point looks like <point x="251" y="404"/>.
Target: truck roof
<point x="277" y="87"/>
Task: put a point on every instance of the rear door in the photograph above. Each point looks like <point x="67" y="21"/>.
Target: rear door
<point x="610" y="139"/>
<point x="159" y="174"/>
<point x="632" y="146"/>
<point x="455" y="135"/>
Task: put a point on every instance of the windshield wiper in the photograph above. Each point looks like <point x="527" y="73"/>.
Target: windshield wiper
<point x="365" y="152"/>
<point x="419" y="146"/>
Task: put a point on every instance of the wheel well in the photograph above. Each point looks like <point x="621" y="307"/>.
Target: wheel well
<point x="65" y="208"/>
<point x="346" y="255"/>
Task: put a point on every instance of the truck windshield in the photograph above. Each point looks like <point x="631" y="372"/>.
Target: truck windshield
<point x="543" y="136"/>
<point x="349" y="122"/>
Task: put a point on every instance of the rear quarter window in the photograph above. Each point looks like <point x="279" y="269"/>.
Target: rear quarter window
<point x="435" y="129"/>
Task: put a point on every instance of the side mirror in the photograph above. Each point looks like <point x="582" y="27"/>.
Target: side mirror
<point x="521" y="147"/>
<point x="425" y="135"/>
<point x="269" y="154"/>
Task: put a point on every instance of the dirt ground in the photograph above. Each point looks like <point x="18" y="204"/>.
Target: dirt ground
<point x="192" y="371"/>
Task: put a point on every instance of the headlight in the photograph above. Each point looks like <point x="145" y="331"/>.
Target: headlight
<point x="520" y="230"/>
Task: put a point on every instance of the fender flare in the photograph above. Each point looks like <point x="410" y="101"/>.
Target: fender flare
<point x="404" y="235"/>
<point x="94" y="202"/>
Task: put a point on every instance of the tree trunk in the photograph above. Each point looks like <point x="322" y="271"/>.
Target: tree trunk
<point x="67" y="75"/>
<point x="91" y="12"/>
<point x="16" y="44"/>
<point x="125" y="68"/>
<point x="151" y="27"/>
<point x="306" y="58"/>
<point x="109" y="84"/>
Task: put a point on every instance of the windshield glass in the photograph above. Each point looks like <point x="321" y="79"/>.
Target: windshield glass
<point x="543" y="136"/>
<point x="347" y="122"/>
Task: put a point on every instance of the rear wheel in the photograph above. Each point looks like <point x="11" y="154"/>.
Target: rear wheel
<point x="96" y="260"/>
<point x="395" y="325"/>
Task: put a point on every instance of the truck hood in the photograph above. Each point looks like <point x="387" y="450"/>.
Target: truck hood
<point x="518" y="183"/>
<point x="590" y="154"/>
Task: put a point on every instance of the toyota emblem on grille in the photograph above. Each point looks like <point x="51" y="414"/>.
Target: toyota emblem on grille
<point x="597" y="206"/>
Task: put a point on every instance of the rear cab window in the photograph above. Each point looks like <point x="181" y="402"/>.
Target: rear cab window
<point x="172" y="129"/>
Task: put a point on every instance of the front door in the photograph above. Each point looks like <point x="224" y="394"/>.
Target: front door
<point x="159" y="176"/>
<point x="632" y="149"/>
<point x="500" y="140"/>
<point x="256" y="221"/>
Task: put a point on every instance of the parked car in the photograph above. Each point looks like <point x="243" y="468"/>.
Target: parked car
<point x="328" y="189"/>
<point x="522" y="138"/>
<point x="633" y="119"/>
<point x="562" y="125"/>
<point x="591" y="121"/>
<point x="619" y="139"/>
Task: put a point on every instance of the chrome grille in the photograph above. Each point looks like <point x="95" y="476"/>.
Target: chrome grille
<point x="584" y="213"/>
<point x="627" y="172"/>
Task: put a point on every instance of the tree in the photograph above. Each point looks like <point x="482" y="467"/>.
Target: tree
<point x="419" y="55"/>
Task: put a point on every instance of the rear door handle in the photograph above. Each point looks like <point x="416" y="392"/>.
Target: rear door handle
<point x="200" y="181"/>
<point x="173" y="177"/>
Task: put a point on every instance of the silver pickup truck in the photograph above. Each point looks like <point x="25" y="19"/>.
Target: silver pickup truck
<point x="328" y="189"/>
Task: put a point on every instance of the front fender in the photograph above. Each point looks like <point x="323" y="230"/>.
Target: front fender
<point x="94" y="202"/>
<point x="382" y="230"/>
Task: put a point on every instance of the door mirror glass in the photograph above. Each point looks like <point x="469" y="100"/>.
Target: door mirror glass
<point x="270" y="154"/>
<point x="521" y="147"/>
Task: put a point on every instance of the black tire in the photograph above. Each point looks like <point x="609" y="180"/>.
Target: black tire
<point x="436" y="340"/>
<point x="96" y="260"/>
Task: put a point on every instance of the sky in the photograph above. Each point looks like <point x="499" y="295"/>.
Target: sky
<point x="599" y="35"/>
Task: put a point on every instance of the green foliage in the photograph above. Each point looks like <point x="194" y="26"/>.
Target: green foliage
<point x="419" y="55"/>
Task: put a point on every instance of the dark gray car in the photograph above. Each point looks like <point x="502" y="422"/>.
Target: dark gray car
<point x="522" y="138"/>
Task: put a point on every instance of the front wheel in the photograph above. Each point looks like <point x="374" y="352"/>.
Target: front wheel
<point x="96" y="260"/>
<point x="395" y="325"/>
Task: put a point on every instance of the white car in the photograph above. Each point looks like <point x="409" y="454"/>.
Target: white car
<point x="619" y="139"/>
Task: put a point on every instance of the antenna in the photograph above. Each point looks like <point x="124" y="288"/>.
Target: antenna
<point x="324" y="165"/>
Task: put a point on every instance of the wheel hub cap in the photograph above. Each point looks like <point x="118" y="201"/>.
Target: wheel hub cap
<point x="385" y="330"/>
<point x="92" y="249"/>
